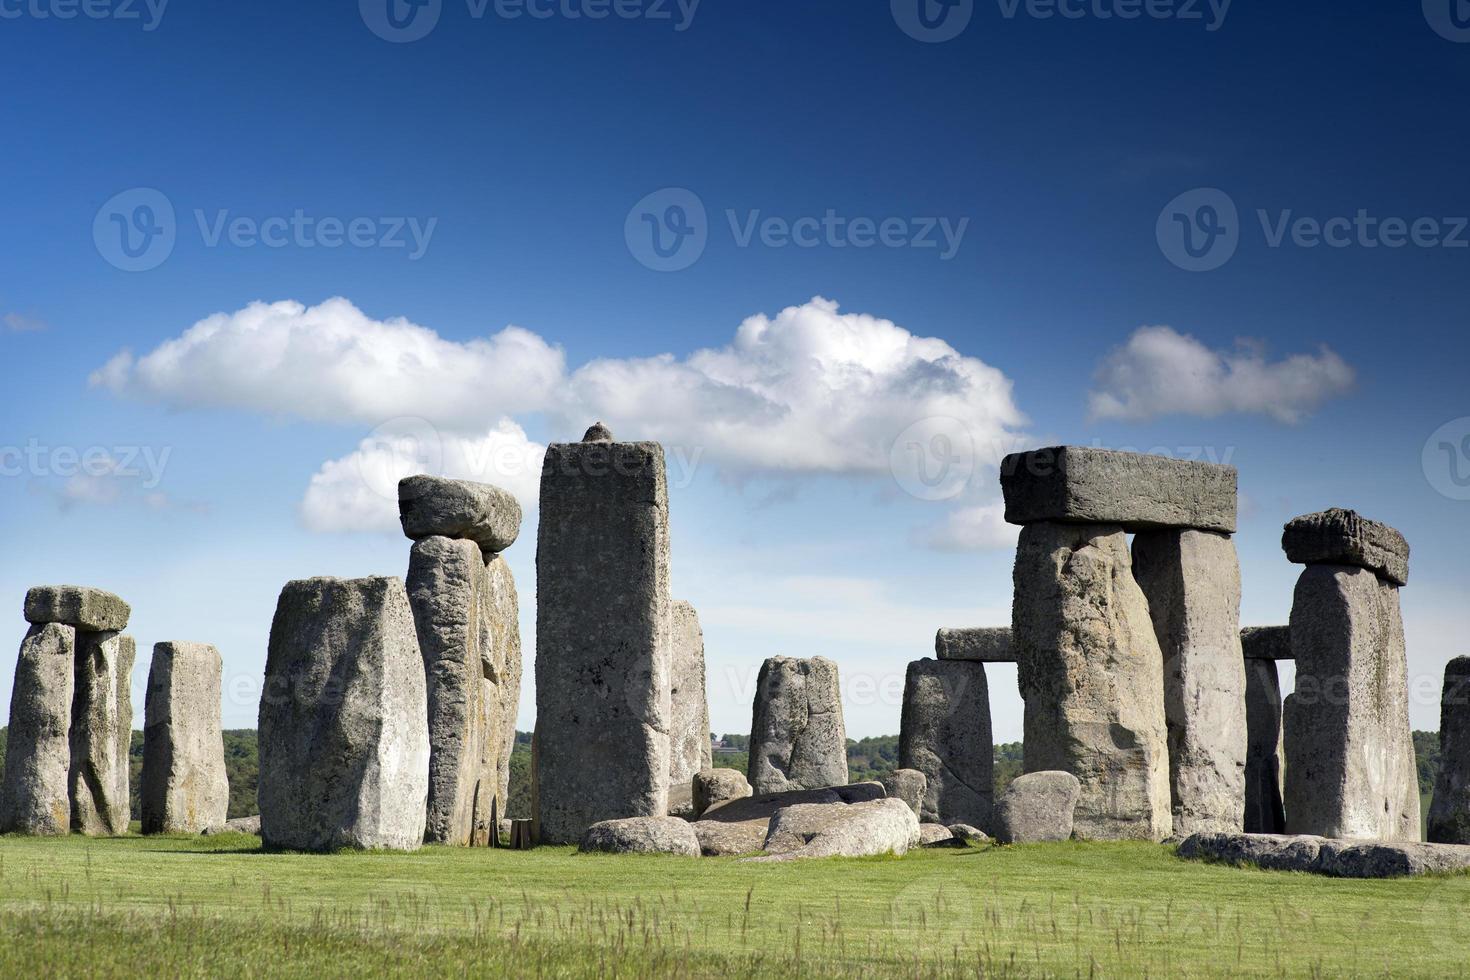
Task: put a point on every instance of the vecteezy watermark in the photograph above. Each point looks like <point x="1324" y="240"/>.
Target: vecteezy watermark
<point x="137" y="230"/>
<point x="1446" y="459"/>
<point x="144" y="463"/>
<point x="148" y="13"/>
<point x="933" y="459"/>
<point x="1200" y="230"/>
<point x="669" y="230"/>
<point x="933" y="21"/>
<point x="1450" y="19"/>
<point x="403" y="21"/>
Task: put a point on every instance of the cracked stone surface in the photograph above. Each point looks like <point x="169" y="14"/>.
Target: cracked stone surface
<point x="944" y="733"/>
<point x="36" y="795"/>
<point x="797" y="736"/>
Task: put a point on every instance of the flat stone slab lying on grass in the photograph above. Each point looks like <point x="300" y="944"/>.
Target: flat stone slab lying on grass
<point x="642" y="835"/>
<point x="987" y="644"/>
<point x="811" y="830"/>
<point x="739" y="825"/>
<point x="239" y="825"/>
<point x="430" y="506"/>
<point x="76" y="605"/>
<point x="1084" y="485"/>
<point x="719" y="838"/>
<point x="1323" y="856"/>
<point x="1345" y="537"/>
<point x="970" y="835"/>
<point x="937" y="835"/>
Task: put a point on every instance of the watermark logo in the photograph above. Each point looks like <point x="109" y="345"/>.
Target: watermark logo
<point x="401" y="21"/>
<point x="148" y="13"/>
<point x="933" y="459"/>
<point x="1450" y="19"/>
<point x="932" y="21"/>
<point x="135" y="231"/>
<point x="405" y="446"/>
<point x="1446" y="459"/>
<point x="1199" y="230"/>
<point x="667" y="231"/>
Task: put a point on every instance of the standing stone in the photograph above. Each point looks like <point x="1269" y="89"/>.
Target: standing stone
<point x="1265" y="767"/>
<point x="797" y="736"/>
<point x="1192" y="582"/>
<point x="465" y="618"/>
<point x="184" y="789"/>
<point x="690" y="749"/>
<point x="1350" y="769"/>
<point x="344" y="734"/>
<point x="1091" y="673"/>
<point x="34" y="798"/>
<point x="602" y="637"/>
<point x="1449" y="814"/>
<point x="101" y="732"/>
<point x="945" y="734"/>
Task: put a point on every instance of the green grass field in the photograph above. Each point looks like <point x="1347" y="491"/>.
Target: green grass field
<point x="211" y="906"/>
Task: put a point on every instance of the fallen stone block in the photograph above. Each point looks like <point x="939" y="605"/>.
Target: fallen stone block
<point x="79" y="606"/>
<point x="969" y="834"/>
<point x="1038" y="807"/>
<point x="1449" y="814"/>
<point x="1326" y="856"/>
<point x="432" y="506"/>
<point x="35" y="797"/>
<point x="721" y="838"/>
<point x="936" y="835"/>
<point x="711" y="786"/>
<point x="907" y="785"/>
<point x="797" y="737"/>
<point x="642" y="835"/>
<point x="763" y="806"/>
<point x="1081" y="485"/>
<point x="184" y="787"/>
<point x="986" y="644"/>
<point x="944" y="733"/>
<point x="1344" y="537"/>
<point x="811" y="830"/>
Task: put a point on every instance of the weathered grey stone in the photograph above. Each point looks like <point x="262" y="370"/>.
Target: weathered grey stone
<point x="681" y="800"/>
<point x="1092" y="676"/>
<point x="1264" y="755"/>
<point x="689" y="743"/>
<point x="1449" y="814"/>
<point x="432" y="506"/>
<point x="602" y="637"/>
<point x="1350" y="769"/>
<point x="101" y="732"/>
<point x="642" y="835"/>
<point x="468" y="630"/>
<point x="1191" y="580"/>
<point x="764" y="806"/>
<point x="1038" y="807"/>
<point x="797" y="736"/>
<point x="1337" y="858"/>
<point x="597" y="432"/>
<point x="1082" y="485"/>
<point x="711" y="786"/>
<point x="969" y="833"/>
<point x="944" y="733"/>
<point x="1266" y="642"/>
<point x="1343" y="537"/>
<point x="724" y="838"/>
<point x="811" y="830"/>
<point x="987" y="644"/>
<point x="77" y="605"/>
<point x="936" y="835"/>
<point x="907" y="785"/>
<point x="184" y="789"/>
<point x="344" y="733"/>
<point x="35" y="797"/>
<point x="239" y="825"/>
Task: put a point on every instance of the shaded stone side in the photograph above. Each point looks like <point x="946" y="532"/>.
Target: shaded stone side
<point x="1091" y="674"/>
<point x="690" y="749"/>
<point x="184" y="788"/>
<point x="1350" y="769"/>
<point x="602" y="637"/>
<point x="1266" y="642"/>
<point x="1265" y="812"/>
<point x="101" y="732"/>
<point x="797" y="736"/>
<point x="945" y="734"/>
<point x="344" y="734"/>
<point x="505" y="645"/>
<point x="1449" y="814"/>
<point x="1192" y="582"/>
<point x="35" y="797"/>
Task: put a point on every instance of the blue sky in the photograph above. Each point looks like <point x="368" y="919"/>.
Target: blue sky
<point x="1056" y="150"/>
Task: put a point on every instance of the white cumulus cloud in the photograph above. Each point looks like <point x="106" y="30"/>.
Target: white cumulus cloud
<point x="1160" y="371"/>
<point x="981" y="527"/>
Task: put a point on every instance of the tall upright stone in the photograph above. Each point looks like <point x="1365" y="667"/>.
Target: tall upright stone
<point x="690" y="749"/>
<point x="184" y="787"/>
<point x="944" y="733"/>
<point x="1351" y="771"/>
<point x="602" y="636"/>
<point x="466" y="618"/>
<point x="1265" y="812"/>
<point x="1191" y="579"/>
<point x="344" y="733"/>
<point x="1449" y="813"/>
<point x="1092" y="676"/>
<point x="35" y="797"/>
<point x="101" y="732"/>
<point x="797" y="736"/>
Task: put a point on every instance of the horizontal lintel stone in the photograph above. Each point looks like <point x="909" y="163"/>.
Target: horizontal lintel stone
<point x="986" y="644"/>
<point x="1345" y="537"/>
<point x="1266" y="642"/>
